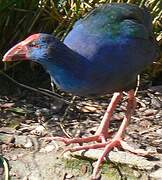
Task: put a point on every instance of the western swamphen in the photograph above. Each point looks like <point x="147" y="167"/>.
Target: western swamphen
<point x="103" y="53"/>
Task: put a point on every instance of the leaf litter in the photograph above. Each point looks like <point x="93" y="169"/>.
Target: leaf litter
<point x="24" y="121"/>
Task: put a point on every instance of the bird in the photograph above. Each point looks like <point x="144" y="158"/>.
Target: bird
<point x="102" y="54"/>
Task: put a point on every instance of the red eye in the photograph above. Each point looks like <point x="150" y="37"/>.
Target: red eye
<point x="33" y="44"/>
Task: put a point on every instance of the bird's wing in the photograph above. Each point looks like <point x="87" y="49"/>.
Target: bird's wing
<point x="117" y="39"/>
<point x="118" y="19"/>
<point x="107" y="26"/>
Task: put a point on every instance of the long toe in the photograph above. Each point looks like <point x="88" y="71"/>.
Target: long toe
<point x="68" y="141"/>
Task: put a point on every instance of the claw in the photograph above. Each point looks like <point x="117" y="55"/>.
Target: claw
<point x="102" y="134"/>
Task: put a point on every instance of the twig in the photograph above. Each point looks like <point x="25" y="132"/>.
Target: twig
<point x="138" y="84"/>
<point x="63" y="117"/>
<point x="50" y="92"/>
<point x="47" y="93"/>
<point x="42" y="91"/>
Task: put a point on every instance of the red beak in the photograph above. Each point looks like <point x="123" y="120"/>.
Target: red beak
<point x="18" y="52"/>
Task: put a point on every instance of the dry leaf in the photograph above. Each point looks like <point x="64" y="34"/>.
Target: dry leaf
<point x="7" y="105"/>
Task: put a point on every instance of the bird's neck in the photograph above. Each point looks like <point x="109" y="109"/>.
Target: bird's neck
<point x="64" y="58"/>
<point x="66" y="67"/>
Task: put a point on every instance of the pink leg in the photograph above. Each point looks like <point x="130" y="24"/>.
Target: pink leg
<point x="102" y="133"/>
<point x="117" y="140"/>
<point x="105" y="123"/>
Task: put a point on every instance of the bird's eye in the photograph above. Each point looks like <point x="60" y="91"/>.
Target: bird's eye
<point x="33" y="44"/>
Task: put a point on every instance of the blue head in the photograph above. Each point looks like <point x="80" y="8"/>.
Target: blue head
<point x="37" y="47"/>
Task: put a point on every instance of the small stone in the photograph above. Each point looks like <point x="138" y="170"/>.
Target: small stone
<point x="137" y="174"/>
<point x="159" y="149"/>
<point x="150" y="112"/>
<point x="47" y="148"/>
<point x="159" y="132"/>
<point x="45" y="110"/>
<point x="6" y="138"/>
<point x="39" y="131"/>
<point x="156" y="174"/>
<point x="157" y="116"/>
<point x="15" y="174"/>
<point x="69" y="176"/>
<point x="88" y="109"/>
<point x="11" y="139"/>
<point x="38" y="112"/>
<point x="57" y="106"/>
<point x="55" y="118"/>
<point x="84" y="168"/>
<point x="28" y="144"/>
<point x="151" y="149"/>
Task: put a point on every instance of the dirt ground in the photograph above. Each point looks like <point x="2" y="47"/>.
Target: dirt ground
<point x="26" y="117"/>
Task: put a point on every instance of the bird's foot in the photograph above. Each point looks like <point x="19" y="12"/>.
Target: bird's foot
<point x="80" y="140"/>
<point x="100" y="141"/>
<point x="108" y="145"/>
<point x="116" y="142"/>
